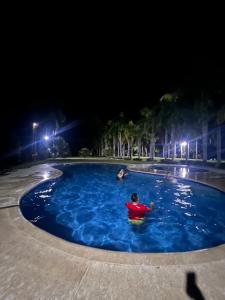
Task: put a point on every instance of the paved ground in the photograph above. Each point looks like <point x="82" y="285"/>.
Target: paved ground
<point x="37" y="265"/>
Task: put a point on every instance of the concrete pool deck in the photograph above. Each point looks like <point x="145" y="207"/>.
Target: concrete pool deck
<point x="37" y="265"/>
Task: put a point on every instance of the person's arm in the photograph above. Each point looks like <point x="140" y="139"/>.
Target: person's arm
<point x="145" y="208"/>
<point x="151" y="205"/>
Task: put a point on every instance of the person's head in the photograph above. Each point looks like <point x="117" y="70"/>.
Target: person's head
<point x="134" y="197"/>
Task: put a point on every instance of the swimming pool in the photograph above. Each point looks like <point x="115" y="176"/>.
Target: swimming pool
<point x="87" y="206"/>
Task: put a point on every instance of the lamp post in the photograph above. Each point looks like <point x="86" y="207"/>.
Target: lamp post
<point x="34" y="151"/>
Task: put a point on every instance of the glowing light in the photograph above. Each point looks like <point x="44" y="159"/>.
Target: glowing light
<point x="46" y="137"/>
<point x="184" y="144"/>
<point x="35" y="125"/>
<point x="183" y="172"/>
<point x="45" y="175"/>
<point x="182" y="148"/>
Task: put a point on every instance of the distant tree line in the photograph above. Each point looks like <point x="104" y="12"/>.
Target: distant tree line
<point x="194" y="117"/>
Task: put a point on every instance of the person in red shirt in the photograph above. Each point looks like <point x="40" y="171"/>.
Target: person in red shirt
<point x="136" y="210"/>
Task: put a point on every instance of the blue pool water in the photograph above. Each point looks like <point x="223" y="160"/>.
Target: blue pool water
<point x="87" y="206"/>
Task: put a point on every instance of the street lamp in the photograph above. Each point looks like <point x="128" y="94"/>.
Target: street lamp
<point x="34" y="152"/>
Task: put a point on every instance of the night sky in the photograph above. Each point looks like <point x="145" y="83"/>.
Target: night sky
<point x="95" y="85"/>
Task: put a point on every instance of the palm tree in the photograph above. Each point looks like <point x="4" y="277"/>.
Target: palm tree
<point x="146" y="125"/>
<point x="129" y="134"/>
<point x="106" y="139"/>
<point x="138" y="130"/>
<point x="113" y="134"/>
<point x="57" y="118"/>
<point x="203" y="116"/>
<point x="100" y="129"/>
<point x="186" y="131"/>
<point x="170" y="117"/>
<point x="154" y="126"/>
<point x="120" y="123"/>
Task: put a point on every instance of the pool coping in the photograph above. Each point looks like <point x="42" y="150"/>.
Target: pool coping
<point x="107" y="256"/>
<point x="189" y="178"/>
